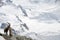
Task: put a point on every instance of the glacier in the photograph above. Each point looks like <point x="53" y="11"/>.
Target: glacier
<point x="38" y="19"/>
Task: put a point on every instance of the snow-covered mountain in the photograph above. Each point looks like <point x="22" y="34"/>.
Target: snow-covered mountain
<point x="12" y="14"/>
<point x="33" y="18"/>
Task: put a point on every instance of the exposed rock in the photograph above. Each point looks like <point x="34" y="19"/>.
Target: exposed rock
<point x="14" y="37"/>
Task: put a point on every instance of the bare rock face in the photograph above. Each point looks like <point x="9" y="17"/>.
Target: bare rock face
<point x="14" y="37"/>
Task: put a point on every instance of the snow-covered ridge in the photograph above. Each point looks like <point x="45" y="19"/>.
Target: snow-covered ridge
<point x="10" y="13"/>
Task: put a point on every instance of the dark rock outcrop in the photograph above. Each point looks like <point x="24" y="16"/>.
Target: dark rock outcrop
<point x="14" y="37"/>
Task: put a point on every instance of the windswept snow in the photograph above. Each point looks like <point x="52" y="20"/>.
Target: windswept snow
<point x="26" y="16"/>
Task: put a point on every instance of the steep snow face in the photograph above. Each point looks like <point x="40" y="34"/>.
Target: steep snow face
<point x="43" y="16"/>
<point x="39" y="15"/>
<point x="50" y="36"/>
<point x="13" y="14"/>
<point x="34" y="9"/>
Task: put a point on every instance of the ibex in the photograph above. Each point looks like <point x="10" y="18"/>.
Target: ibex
<point x="8" y="28"/>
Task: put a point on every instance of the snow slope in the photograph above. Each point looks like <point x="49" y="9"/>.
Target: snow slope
<point x="26" y="16"/>
<point x="1" y="38"/>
